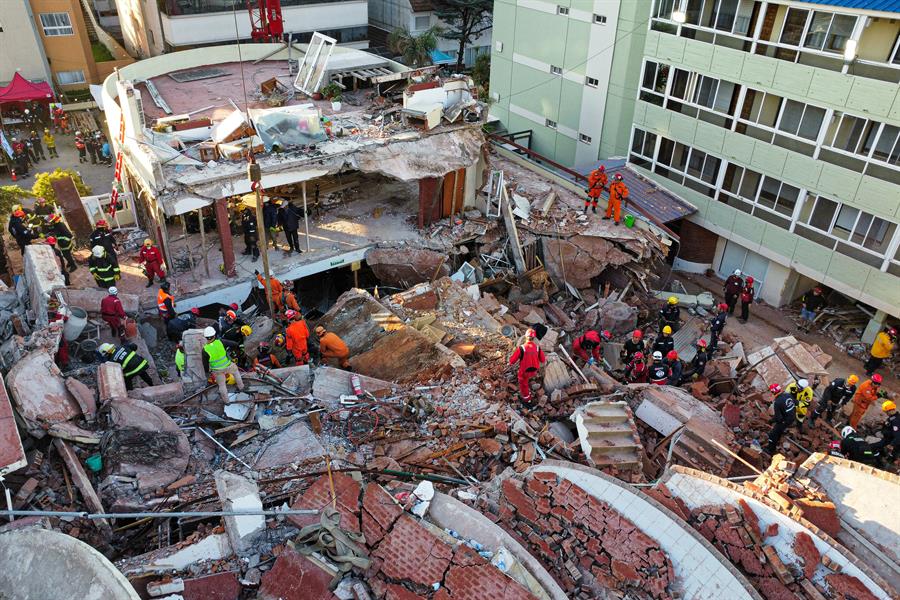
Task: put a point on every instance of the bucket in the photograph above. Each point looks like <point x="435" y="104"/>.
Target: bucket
<point x="130" y="328"/>
<point x="629" y="221"/>
<point x="94" y="462"/>
<point x="76" y="323"/>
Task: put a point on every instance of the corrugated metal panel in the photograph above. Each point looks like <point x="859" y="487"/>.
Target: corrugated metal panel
<point x="654" y="199"/>
<point x="880" y="5"/>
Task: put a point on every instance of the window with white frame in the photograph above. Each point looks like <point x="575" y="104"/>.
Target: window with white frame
<point x="550" y="124"/>
<point x="828" y="32"/>
<point x="562" y="10"/>
<point x="584" y="139"/>
<point x="688" y="166"/>
<point x="662" y="9"/>
<point x="600" y="19"/>
<point x="730" y="16"/>
<point x="422" y="22"/>
<point x="555" y="70"/>
<point x="643" y="144"/>
<point x="846" y="229"/>
<point x="894" y="58"/>
<point x="655" y="77"/>
<point x="802" y="120"/>
<point x="56" y="24"/>
<point x="591" y="81"/>
<point x="864" y="137"/>
<point x="763" y="197"/>
<point x="70" y="77"/>
<point x="793" y="26"/>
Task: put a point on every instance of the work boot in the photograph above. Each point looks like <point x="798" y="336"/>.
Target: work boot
<point x="595" y="209"/>
<point x="616" y="223"/>
<point x="605" y="219"/>
<point x="585" y="208"/>
<point x="149" y="283"/>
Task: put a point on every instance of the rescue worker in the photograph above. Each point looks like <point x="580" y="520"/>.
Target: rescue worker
<point x="289" y="218"/>
<point x="636" y="369"/>
<point x="890" y="430"/>
<point x="165" y="302"/>
<point x="836" y="394"/>
<point x="102" y="268"/>
<point x="716" y="326"/>
<point x="81" y="147"/>
<point x="854" y="447"/>
<point x="19" y="230"/>
<point x="332" y="347"/>
<point x="297" y="336"/>
<point x="664" y="342"/>
<point x="37" y="147"/>
<point x="659" y="370"/>
<point x="152" y="260"/>
<point x="275" y="288"/>
<point x="670" y="314"/>
<point x="50" y="142"/>
<point x="64" y="239"/>
<point x="51" y="241"/>
<point x="530" y="358"/>
<point x="230" y="320"/>
<point x="251" y="234"/>
<point x="810" y="305"/>
<point x="217" y="363"/>
<point x="698" y="363"/>
<point x="112" y="311"/>
<point x="802" y="393"/>
<point x="732" y="289"/>
<point x="101" y="236"/>
<point x="180" y="359"/>
<point x="881" y="349"/>
<point x="177" y="326"/>
<point x="618" y="195"/>
<point x="866" y="395"/>
<point x="270" y="220"/>
<point x="632" y="346"/>
<point x="278" y="352"/>
<point x="596" y="184"/>
<point x="288" y="298"/>
<point x="133" y="364"/>
<point x="42" y="210"/>
<point x="747" y="295"/>
<point x="785" y="416"/>
<point x="676" y="368"/>
<point x="587" y="346"/>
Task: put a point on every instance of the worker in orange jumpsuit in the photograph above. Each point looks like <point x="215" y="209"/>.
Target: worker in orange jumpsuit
<point x="297" y="335"/>
<point x="331" y="346"/>
<point x="530" y="358"/>
<point x="865" y="396"/>
<point x="276" y="290"/>
<point x="596" y="184"/>
<point x="618" y="195"/>
<point x="288" y="299"/>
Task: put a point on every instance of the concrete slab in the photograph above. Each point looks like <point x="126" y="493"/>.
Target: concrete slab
<point x="296" y="444"/>
<point x="608" y="435"/>
<point x="39" y="563"/>
<point x="238" y="494"/>
<point x="38" y="388"/>
<point x="43" y="277"/>
<point x="111" y="381"/>
<point x="12" y="455"/>
<point x="329" y="384"/>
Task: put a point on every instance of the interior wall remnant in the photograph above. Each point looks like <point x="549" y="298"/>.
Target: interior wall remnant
<point x="224" y="229"/>
<point x="429" y="201"/>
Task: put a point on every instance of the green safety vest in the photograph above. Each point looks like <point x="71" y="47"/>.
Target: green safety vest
<point x="179" y="361"/>
<point x="218" y="358"/>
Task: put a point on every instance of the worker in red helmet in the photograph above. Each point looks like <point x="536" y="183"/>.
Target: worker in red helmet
<point x="698" y="363"/>
<point x="102" y="236"/>
<point x="785" y="415"/>
<point x="51" y="241"/>
<point x="715" y="326"/>
<point x="747" y="295"/>
<point x="881" y="349"/>
<point x="65" y="241"/>
<point x="676" y="367"/>
<point x="633" y="345"/>
<point x="868" y="393"/>
<point x="530" y="358"/>
<point x="618" y="195"/>
<point x="587" y="346"/>
<point x="19" y="229"/>
<point x="636" y="369"/>
<point x="596" y="184"/>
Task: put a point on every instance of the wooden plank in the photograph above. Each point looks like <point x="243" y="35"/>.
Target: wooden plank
<point x="83" y="483"/>
<point x="512" y="231"/>
<point x="405" y="74"/>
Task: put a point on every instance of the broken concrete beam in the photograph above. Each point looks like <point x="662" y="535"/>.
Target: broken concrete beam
<point x="83" y="483"/>
<point x="84" y="396"/>
<point x="111" y="381"/>
<point x="296" y="444"/>
<point x="160" y="395"/>
<point x="240" y="494"/>
<point x="38" y="388"/>
<point x="405" y="267"/>
<point x="558" y="317"/>
<point x="89" y="299"/>
<point x="42" y="277"/>
<point x="194" y="375"/>
<point x="162" y="588"/>
<point x="12" y="454"/>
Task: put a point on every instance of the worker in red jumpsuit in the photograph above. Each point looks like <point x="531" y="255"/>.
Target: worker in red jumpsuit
<point x="113" y="313"/>
<point x="618" y="195"/>
<point x="596" y="184"/>
<point x="152" y="259"/>
<point x="587" y="346"/>
<point x="530" y="358"/>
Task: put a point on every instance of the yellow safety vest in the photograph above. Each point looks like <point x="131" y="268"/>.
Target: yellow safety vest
<point x="218" y="358"/>
<point x="179" y="361"/>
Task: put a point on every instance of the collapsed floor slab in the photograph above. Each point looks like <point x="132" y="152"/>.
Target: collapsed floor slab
<point x="39" y="391"/>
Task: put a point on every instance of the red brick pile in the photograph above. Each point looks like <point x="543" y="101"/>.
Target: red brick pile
<point x="584" y="543"/>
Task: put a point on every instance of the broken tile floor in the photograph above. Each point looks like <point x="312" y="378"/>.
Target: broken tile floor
<point x="436" y="482"/>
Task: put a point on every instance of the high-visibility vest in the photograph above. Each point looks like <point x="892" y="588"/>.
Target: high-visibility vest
<point x="218" y="358"/>
<point x="161" y="298"/>
<point x="106" y="274"/>
<point x="179" y="361"/>
<point x="124" y="358"/>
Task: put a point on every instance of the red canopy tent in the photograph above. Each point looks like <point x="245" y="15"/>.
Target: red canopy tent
<point x="22" y="90"/>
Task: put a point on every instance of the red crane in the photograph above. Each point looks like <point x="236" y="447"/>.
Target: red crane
<point x="265" y="20"/>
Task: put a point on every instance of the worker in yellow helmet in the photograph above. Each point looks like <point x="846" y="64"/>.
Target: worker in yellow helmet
<point x="670" y="314"/>
<point x="890" y="431"/>
<point x="664" y="342"/>
<point x="836" y="395"/>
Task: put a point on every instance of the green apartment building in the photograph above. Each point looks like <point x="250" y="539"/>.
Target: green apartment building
<point x="568" y="72"/>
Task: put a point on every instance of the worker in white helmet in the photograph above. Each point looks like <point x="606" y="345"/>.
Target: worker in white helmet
<point x="733" y="286"/>
<point x="104" y="270"/>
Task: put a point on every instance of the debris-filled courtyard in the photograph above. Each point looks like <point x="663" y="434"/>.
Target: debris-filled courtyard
<point x="456" y="382"/>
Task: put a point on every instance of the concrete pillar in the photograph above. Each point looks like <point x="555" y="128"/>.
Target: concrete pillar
<point x="874" y="325"/>
<point x="429" y="200"/>
<point x="43" y="276"/>
<point x="240" y="494"/>
<point x="111" y="381"/>
<point x="194" y="375"/>
<point x="224" y="229"/>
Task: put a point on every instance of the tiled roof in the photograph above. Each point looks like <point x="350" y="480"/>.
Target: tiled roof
<point x="421" y="5"/>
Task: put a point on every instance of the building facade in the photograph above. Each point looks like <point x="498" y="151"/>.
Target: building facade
<point x="417" y="16"/>
<point x="20" y="44"/>
<point x="152" y="28"/>
<point x="567" y="71"/>
<point x="780" y="122"/>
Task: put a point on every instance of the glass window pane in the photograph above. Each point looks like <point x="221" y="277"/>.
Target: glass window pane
<point x="666" y="148"/>
<point x="649" y="144"/>
<point x="880" y="234"/>
<point x="812" y="122"/>
<point x="725" y="12"/>
<point x="705" y="92"/>
<point x="638" y="141"/>
<point x="732" y="178"/>
<point x="886" y="142"/>
<point x="649" y="75"/>
<point x="846" y="219"/>
<point x="823" y="214"/>
<point x="724" y="96"/>
<point x="862" y="227"/>
<point x="790" y="117"/>
<point x="662" y="76"/>
<point x="787" y="199"/>
<point x="695" y="164"/>
<point x="710" y="169"/>
<point x="841" y="28"/>
<point x="679" y="84"/>
<point x="750" y="184"/>
<point x="679" y="157"/>
<point x="793" y="26"/>
<point x="818" y="29"/>
<point x="768" y="194"/>
<point x="693" y="11"/>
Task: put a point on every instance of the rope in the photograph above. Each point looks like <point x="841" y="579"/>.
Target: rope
<point x="328" y="539"/>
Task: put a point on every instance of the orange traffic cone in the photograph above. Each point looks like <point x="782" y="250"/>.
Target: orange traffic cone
<point x="14" y="178"/>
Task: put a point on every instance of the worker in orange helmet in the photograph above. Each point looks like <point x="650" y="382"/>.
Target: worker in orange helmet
<point x="866" y="395"/>
<point x="618" y="195"/>
<point x="530" y="358"/>
<point x="297" y="336"/>
<point x="596" y="184"/>
<point x="331" y="346"/>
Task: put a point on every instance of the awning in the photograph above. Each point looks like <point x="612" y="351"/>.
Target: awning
<point x="22" y="90"/>
<point x="442" y="58"/>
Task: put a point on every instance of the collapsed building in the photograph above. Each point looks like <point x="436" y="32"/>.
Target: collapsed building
<point x="418" y="474"/>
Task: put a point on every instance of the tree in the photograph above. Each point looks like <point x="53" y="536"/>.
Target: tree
<point x="43" y="188"/>
<point x="465" y="20"/>
<point x="10" y="195"/>
<point x="481" y="71"/>
<point x="414" y="50"/>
